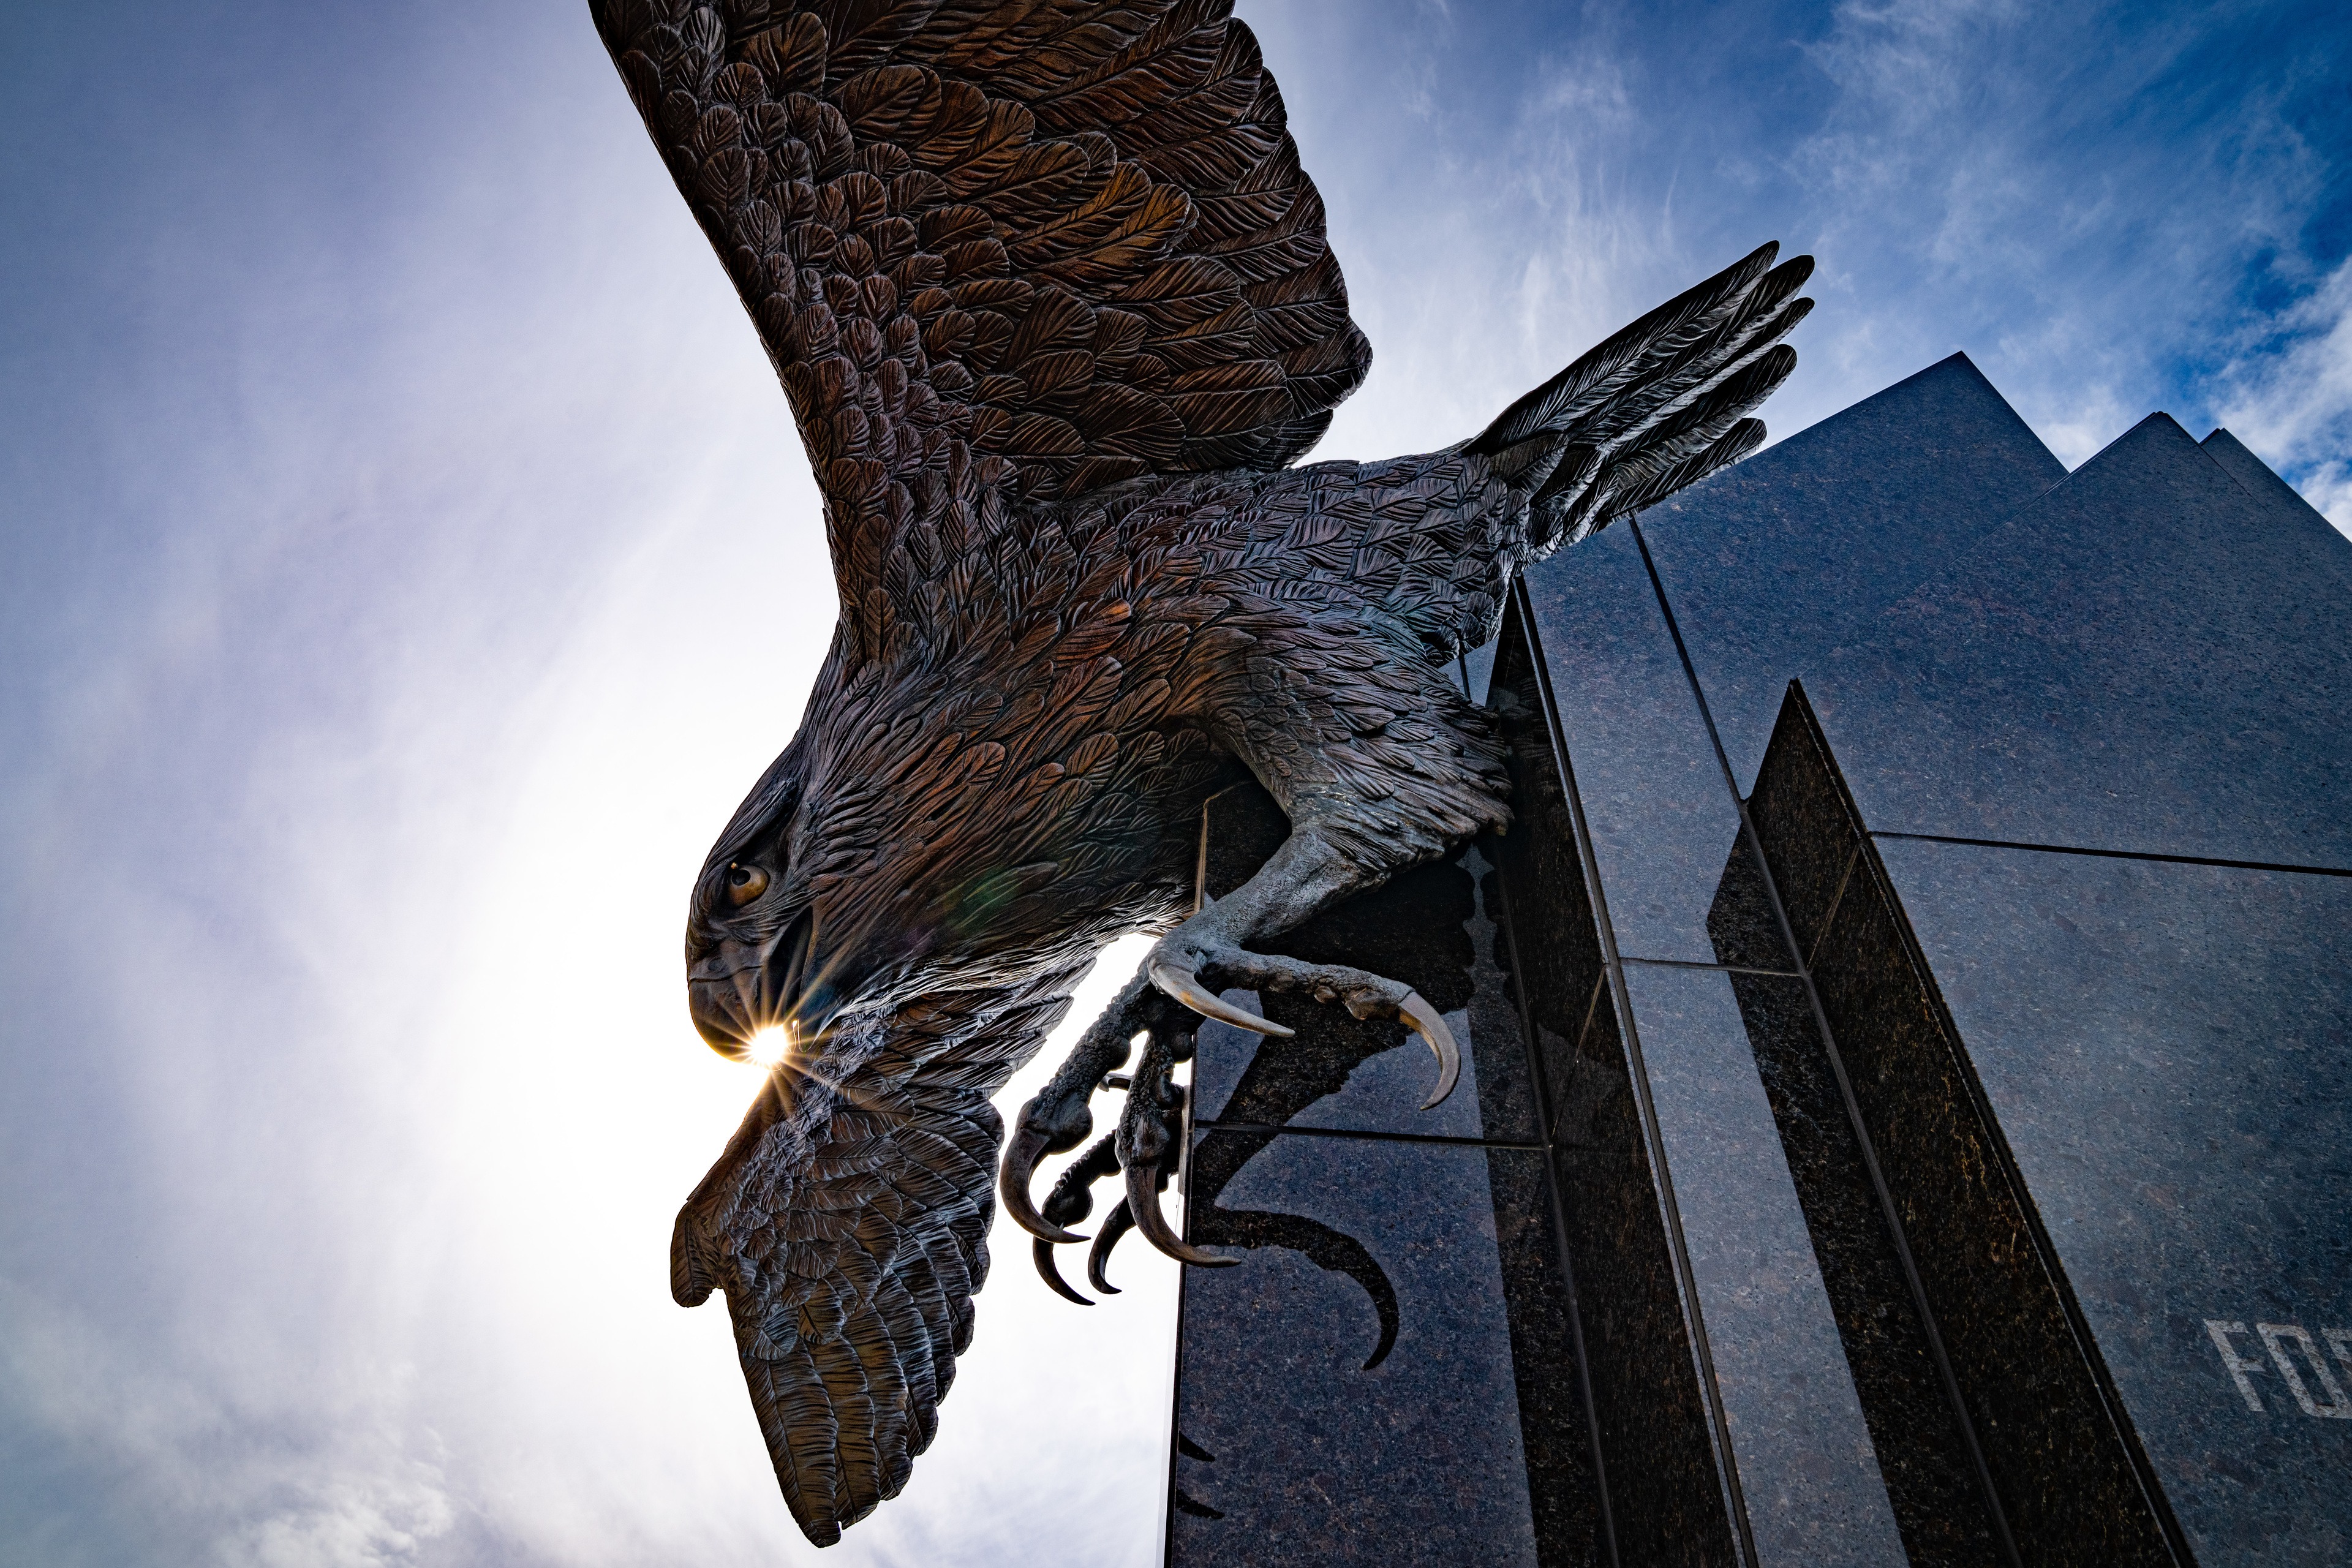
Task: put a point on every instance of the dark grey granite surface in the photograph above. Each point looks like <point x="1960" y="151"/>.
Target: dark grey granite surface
<point x="1933" y="1486"/>
<point x="1650" y="1406"/>
<point x="2151" y="654"/>
<point x="2168" y="1049"/>
<point x="2034" y="1254"/>
<point x="1395" y="1373"/>
<point x="1349" y="1393"/>
<point x="1928" y="1452"/>
<point x="1806" y="1471"/>
<point x="1650" y="1409"/>
<point x="1566" y="1487"/>
<point x="2067" y="1476"/>
<point x="1555" y="951"/>
<point x="1653" y="790"/>
<point x="1780" y="567"/>
<point x="2145" y="658"/>
<point x="2287" y="509"/>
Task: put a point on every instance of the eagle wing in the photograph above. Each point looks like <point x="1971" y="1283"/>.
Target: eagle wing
<point x="847" y="1223"/>
<point x="1000" y="249"/>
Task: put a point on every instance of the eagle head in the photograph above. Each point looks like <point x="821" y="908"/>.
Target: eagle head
<point x="875" y="861"/>
<point x="755" y="978"/>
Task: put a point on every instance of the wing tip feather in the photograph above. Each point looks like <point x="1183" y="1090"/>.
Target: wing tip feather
<point x="1543" y="409"/>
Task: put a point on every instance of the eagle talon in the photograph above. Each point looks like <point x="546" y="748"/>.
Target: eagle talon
<point x="1364" y="994"/>
<point x="1042" y="1252"/>
<point x="1020" y="1154"/>
<point x="1121" y="1221"/>
<point x="1071" y="1200"/>
<point x="1426" y="1021"/>
<point x="1056" y="1117"/>
<point x="1185" y="986"/>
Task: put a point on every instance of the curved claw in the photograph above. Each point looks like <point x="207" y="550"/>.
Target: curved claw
<point x="1424" y="1020"/>
<point x="1121" y="1221"/>
<point x="1013" y="1178"/>
<point x="1042" y="1251"/>
<point x="1143" y="1208"/>
<point x="1186" y="987"/>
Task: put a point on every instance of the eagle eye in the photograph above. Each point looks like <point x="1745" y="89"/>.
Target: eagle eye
<point x="745" y="883"/>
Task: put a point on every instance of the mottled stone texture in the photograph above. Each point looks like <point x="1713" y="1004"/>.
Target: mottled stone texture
<point x="1783" y="566"/>
<point x="2166" y="1050"/>
<point x="1333" y="1441"/>
<point x="1923" y="1456"/>
<point x="2146" y="655"/>
<point x="2113" y="1096"/>
<point x="1793" y="1423"/>
<point x="2104" y="1085"/>
<point x="1393" y="1374"/>
<point x="1671" y="1088"/>
<point x="1912" y="1050"/>
<point x="2063" y="1461"/>
<point x="1651" y="1411"/>
<point x="1652" y="793"/>
<point x="1526" y="1264"/>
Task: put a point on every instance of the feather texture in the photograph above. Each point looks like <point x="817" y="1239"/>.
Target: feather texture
<point x="1050" y="298"/>
<point x="1648" y="411"/>
<point x="1022" y="249"/>
<point x="847" y="1222"/>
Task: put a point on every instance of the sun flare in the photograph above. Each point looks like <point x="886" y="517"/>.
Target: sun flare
<point x="769" y="1046"/>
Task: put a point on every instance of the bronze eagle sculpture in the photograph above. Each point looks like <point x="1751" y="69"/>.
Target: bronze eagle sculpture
<point x="1051" y="300"/>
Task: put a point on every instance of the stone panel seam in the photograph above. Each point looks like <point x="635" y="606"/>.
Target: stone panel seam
<point x="1441" y="1139"/>
<point x="1828" y="914"/>
<point x="1653" y="1137"/>
<point x="1820" y="1021"/>
<point x="2114" y="854"/>
<point x="2001" y="1162"/>
<point x="1591" y="1011"/>
<point x="1555" y="1200"/>
<point x="2003" y="1165"/>
<point x="1717" y="968"/>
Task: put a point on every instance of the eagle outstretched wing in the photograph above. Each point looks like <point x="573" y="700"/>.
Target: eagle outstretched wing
<point x="847" y="1223"/>
<point x="1000" y="249"/>
<point x="1006" y="253"/>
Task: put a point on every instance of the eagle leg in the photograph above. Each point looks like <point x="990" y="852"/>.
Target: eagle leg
<point x="1056" y="1118"/>
<point x="1305" y="876"/>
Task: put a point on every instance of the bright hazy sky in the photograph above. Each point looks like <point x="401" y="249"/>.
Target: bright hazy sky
<point x="408" y="562"/>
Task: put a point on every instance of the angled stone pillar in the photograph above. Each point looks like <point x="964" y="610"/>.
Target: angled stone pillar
<point x="1909" y="1113"/>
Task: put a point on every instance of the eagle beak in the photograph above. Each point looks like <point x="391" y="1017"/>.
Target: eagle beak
<point x="738" y="1008"/>
<point x="720" y="1029"/>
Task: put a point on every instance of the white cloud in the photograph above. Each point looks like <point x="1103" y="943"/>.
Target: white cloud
<point x="348" y="1522"/>
<point x="2290" y="399"/>
<point x="248" y="1476"/>
<point x="464" y="570"/>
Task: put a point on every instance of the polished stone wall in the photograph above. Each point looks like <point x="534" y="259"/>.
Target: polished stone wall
<point x="1909" y="1112"/>
<point x="1395" y="1359"/>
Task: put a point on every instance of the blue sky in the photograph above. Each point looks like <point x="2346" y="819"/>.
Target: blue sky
<point x="408" y="562"/>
